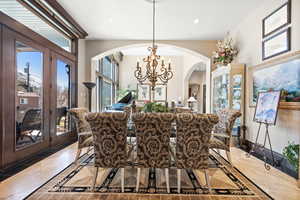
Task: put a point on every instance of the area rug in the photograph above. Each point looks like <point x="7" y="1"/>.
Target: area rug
<point x="74" y="183"/>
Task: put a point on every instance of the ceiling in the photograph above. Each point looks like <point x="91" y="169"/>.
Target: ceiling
<point x="176" y="19"/>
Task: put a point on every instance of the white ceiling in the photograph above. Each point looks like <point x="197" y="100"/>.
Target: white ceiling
<point x="132" y="19"/>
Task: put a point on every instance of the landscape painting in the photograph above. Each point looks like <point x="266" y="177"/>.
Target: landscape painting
<point x="285" y="77"/>
<point x="267" y="107"/>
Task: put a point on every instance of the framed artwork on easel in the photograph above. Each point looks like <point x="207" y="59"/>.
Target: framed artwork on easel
<point x="267" y="107"/>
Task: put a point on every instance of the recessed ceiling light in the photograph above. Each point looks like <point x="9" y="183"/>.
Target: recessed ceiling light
<point x="196" y="21"/>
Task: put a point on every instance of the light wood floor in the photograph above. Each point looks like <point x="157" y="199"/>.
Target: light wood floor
<point x="274" y="182"/>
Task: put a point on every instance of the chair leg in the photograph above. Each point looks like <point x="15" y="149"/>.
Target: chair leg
<point x="167" y="179"/>
<point x="207" y="180"/>
<point x="228" y="155"/>
<point x="178" y="180"/>
<point x="138" y="179"/>
<point x="95" y="178"/>
<point x="77" y="155"/>
<point x="122" y="179"/>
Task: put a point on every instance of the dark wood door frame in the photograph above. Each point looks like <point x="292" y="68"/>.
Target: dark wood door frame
<point x="9" y="99"/>
<point x="10" y="31"/>
<point x="71" y="135"/>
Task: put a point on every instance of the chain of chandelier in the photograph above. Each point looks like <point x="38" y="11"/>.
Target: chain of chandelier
<point x="156" y="69"/>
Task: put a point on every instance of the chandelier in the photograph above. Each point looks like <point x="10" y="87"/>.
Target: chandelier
<point x="156" y="70"/>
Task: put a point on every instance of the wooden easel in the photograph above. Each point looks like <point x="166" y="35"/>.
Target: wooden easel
<point x="256" y="145"/>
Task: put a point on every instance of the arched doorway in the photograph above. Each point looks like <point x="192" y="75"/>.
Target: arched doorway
<point x="191" y="59"/>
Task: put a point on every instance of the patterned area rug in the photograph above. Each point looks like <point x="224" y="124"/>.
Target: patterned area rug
<point x="74" y="183"/>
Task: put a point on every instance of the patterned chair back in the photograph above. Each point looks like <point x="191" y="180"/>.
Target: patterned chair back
<point x="153" y="132"/>
<point x="227" y="119"/>
<point x="109" y="134"/>
<point x="78" y="115"/>
<point x="193" y="135"/>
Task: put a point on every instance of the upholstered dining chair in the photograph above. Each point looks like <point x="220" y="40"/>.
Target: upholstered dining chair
<point x="221" y="139"/>
<point x="153" y="131"/>
<point x="110" y="143"/>
<point x="83" y="128"/>
<point x="192" y="143"/>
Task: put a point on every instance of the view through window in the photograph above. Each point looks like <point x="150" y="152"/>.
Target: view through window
<point x="107" y="83"/>
<point x="62" y="97"/>
<point x="29" y="95"/>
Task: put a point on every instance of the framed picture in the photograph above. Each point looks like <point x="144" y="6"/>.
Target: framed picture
<point x="143" y="92"/>
<point x="277" y="44"/>
<point x="267" y="107"/>
<point x="160" y="93"/>
<point x="277" y="19"/>
<point x="278" y="74"/>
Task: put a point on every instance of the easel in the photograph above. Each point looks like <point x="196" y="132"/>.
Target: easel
<point x="256" y="145"/>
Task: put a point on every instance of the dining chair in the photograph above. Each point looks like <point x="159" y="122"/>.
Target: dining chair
<point x="109" y="138"/>
<point x="153" y="131"/>
<point x="83" y="129"/>
<point x="192" y="143"/>
<point x="222" y="132"/>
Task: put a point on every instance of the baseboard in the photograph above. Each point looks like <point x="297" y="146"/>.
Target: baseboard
<point x="281" y="163"/>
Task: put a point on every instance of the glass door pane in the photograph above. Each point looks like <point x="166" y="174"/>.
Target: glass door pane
<point x="62" y="97"/>
<point x="29" y="95"/>
<point x="220" y="92"/>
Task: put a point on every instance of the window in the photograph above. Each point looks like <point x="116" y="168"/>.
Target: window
<point x="18" y="12"/>
<point x="107" y="83"/>
<point x="62" y="96"/>
<point x="29" y="95"/>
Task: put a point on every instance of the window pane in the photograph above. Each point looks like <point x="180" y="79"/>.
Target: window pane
<point x="18" y="12"/>
<point x="63" y="97"/>
<point x="106" y="94"/>
<point x="29" y="95"/>
<point x="107" y="68"/>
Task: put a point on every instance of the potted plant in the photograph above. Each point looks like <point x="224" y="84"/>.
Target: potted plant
<point x="154" y="107"/>
<point x="291" y="153"/>
<point x="225" y="53"/>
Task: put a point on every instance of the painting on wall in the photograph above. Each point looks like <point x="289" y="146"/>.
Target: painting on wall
<point x="277" y="19"/>
<point x="160" y="93"/>
<point x="277" y="44"/>
<point x="143" y="92"/>
<point x="267" y="107"/>
<point x="284" y="76"/>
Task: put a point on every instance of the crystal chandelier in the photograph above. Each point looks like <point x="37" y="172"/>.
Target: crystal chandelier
<point x="156" y="70"/>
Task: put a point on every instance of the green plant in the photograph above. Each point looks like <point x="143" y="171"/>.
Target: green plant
<point x="291" y="153"/>
<point x="154" y="107"/>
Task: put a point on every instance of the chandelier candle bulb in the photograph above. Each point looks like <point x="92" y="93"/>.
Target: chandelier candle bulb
<point x="152" y="63"/>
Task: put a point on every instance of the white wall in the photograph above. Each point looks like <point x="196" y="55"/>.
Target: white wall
<point x="175" y="86"/>
<point x="248" y="37"/>
<point x="199" y="77"/>
<point x="182" y="66"/>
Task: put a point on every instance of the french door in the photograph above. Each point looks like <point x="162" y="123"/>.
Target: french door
<point x="25" y="104"/>
<point x="37" y="88"/>
<point x="62" y="98"/>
